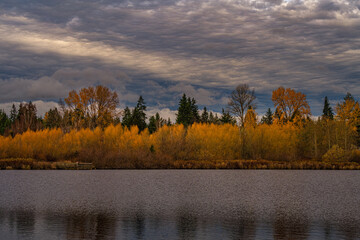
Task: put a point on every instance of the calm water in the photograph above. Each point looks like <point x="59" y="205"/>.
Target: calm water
<point x="180" y="204"/>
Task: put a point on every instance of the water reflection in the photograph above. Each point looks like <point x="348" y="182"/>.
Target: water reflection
<point x="186" y="224"/>
<point x="133" y="223"/>
<point x="78" y="225"/>
<point x="349" y="229"/>
<point x="90" y="226"/>
<point x="242" y="228"/>
<point x="290" y="227"/>
<point x="156" y="205"/>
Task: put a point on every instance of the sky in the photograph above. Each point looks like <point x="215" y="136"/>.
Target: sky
<point x="163" y="48"/>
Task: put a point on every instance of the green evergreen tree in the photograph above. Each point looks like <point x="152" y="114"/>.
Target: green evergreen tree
<point x="5" y="122"/>
<point x="152" y="124"/>
<point x="184" y="114"/>
<point x="26" y="119"/>
<point x="168" y="122"/>
<point x="187" y="112"/>
<point x="327" y="111"/>
<point x="213" y="118"/>
<point x="127" y="118"/>
<point x="139" y="115"/>
<point x="227" y="118"/>
<point x="267" y="118"/>
<point x="155" y="122"/>
<point x="52" y="119"/>
<point x="195" y="117"/>
<point x="204" y="116"/>
<point x="13" y="114"/>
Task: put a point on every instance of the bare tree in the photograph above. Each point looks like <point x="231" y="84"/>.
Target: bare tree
<point x="240" y="100"/>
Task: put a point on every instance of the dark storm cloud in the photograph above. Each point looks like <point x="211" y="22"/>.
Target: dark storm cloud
<point x="203" y="48"/>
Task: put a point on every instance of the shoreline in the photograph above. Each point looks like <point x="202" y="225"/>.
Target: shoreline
<point x="32" y="164"/>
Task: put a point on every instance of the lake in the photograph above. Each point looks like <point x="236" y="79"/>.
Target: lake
<point x="180" y="204"/>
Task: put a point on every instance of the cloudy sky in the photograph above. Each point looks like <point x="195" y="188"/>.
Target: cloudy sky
<point x="160" y="49"/>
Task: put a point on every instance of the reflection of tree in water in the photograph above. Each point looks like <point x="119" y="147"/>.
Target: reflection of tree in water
<point x="290" y="227"/>
<point x="244" y="227"/>
<point x="349" y="229"/>
<point x="135" y="222"/>
<point x="22" y="220"/>
<point x="186" y="224"/>
<point x="25" y="222"/>
<point x="90" y="226"/>
<point x="138" y="225"/>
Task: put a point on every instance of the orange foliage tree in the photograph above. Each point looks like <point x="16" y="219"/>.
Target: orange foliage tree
<point x="290" y="105"/>
<point x="92" y="106"/>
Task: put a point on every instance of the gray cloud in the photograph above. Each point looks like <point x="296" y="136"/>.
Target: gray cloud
<point x="60" y="83"/>
<point x="204" y="48"/>
<point x="41" y="106"/>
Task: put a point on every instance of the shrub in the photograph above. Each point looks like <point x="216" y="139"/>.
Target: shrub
<point x="335" y="154"/>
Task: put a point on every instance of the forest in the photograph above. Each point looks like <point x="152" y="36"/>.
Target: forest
<point x="88" y="127"/>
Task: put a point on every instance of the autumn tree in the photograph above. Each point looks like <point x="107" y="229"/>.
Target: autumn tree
<point x="250" y="118"/>
<point x="290" y="105"/>
<point x="240" y="100"/>
<point x="349" y="112"/>
<point x="92" y="106"/>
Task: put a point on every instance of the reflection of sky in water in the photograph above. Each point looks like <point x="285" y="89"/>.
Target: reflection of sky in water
<point x="179" y="204"/>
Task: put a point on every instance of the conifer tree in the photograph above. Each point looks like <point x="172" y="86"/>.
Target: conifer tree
<point x="4" y="122"/>
<point x="213" y="118"/>
<point x="13" y="114"/>
<point x="152" y="124"/>
<point x="195" y="117"/>
<point x="139" y="115"/>
<point x="168" y="122"/>
<point x="267" y="118"/>
<point x="52" y="119"/>
<point x="187" y="111"/>
<point x="26" y="119"/>
<point x="204" y="116"/>
<point x="127" y="118"/>
<point x="155" y="122"/>
<point x="226" y="117"/>
<point x="327" y="111"/>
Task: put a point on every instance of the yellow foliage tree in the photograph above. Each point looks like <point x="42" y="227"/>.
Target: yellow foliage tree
<point x="92" y="106"/>
<point x="213" y="142"/>
<point x="349" y="111"/>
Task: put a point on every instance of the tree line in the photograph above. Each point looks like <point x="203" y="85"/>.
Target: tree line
<point x="87" y="126"/>
<point x="97" y="107"/>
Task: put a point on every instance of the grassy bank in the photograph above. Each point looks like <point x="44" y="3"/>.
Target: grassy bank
<point x="28" y="164"/>
<point x="31" y="164"/>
